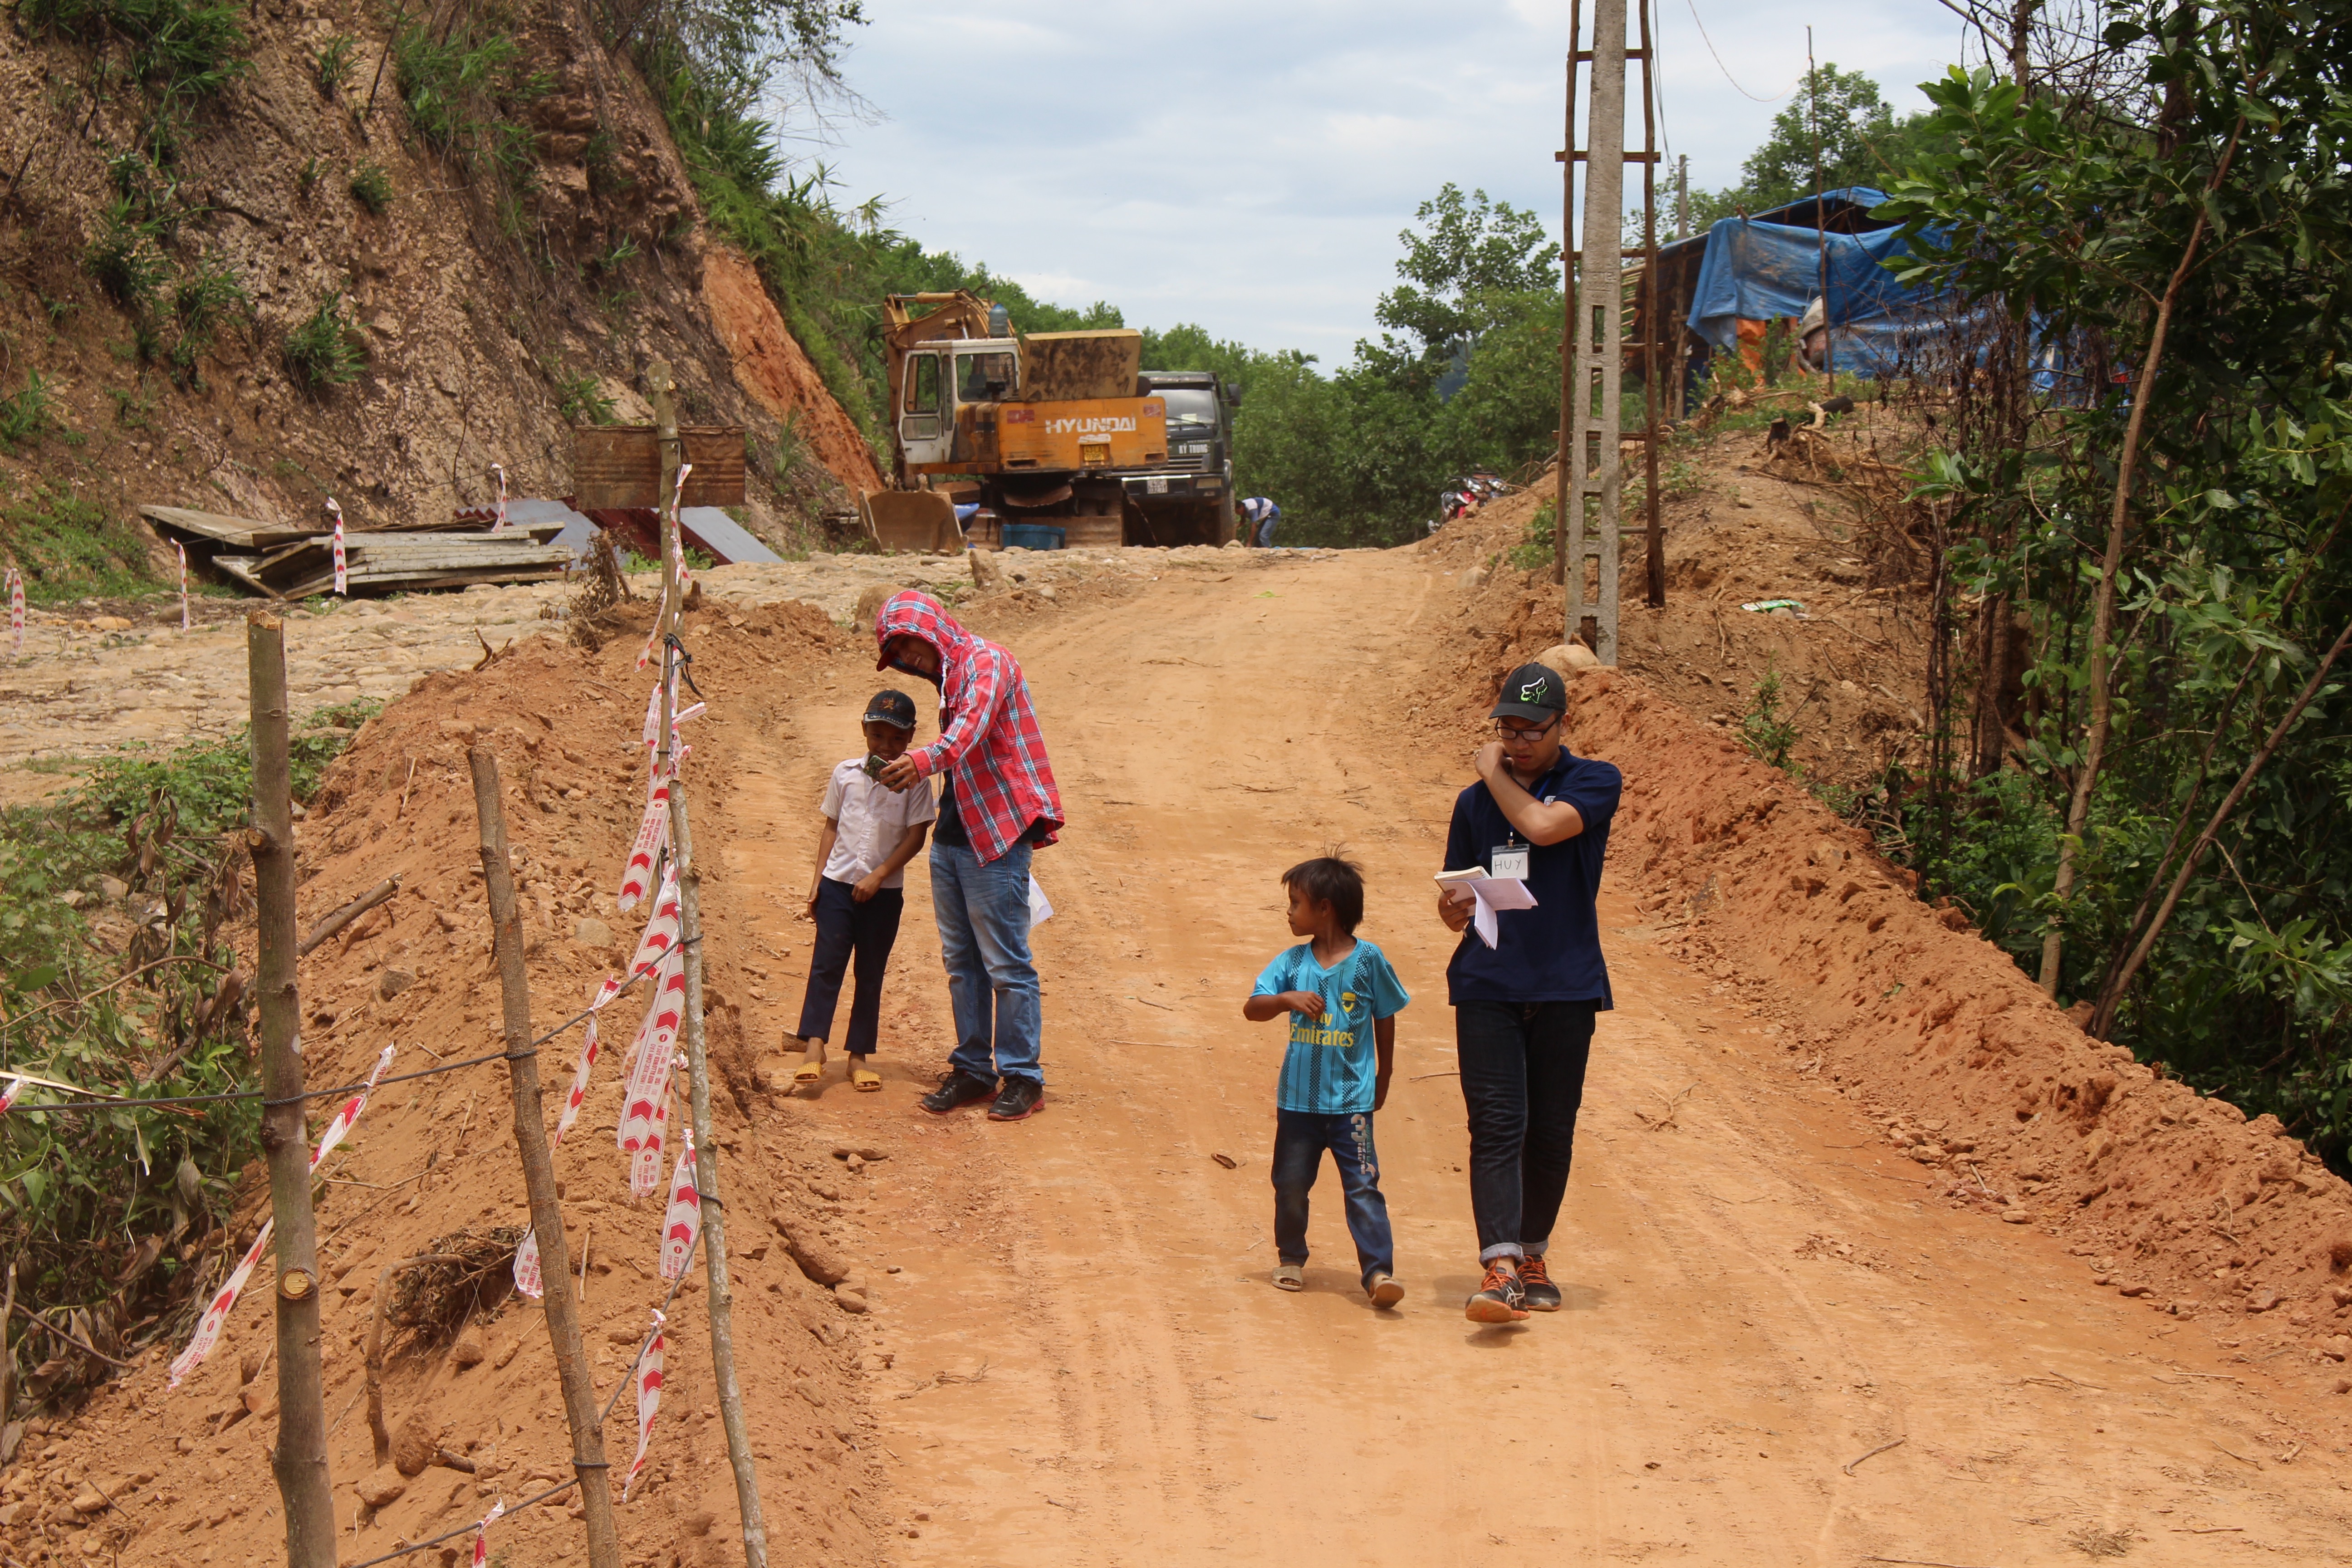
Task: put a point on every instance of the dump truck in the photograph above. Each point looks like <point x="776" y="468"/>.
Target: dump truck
<point x="1059" y="429"/>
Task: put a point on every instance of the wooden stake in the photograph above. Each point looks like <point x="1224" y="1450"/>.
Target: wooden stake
<point x="539" y="1172"/>
<point x="299" y="1455"/>
<point x="690" y="911"/>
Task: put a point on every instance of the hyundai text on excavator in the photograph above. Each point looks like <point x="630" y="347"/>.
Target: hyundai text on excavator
<point x="1060" y="428"/>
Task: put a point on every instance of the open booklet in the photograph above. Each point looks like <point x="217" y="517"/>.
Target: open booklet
<point x="1491" y="893"/>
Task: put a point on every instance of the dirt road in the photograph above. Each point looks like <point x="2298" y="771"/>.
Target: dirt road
<point x="1089" y="1365"/>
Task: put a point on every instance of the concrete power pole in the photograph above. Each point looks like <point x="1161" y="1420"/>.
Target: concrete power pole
<point x="1592" y="491"/>
<point x="1682" y="197"/>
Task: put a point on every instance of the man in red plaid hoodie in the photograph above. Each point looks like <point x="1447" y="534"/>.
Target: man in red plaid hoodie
<point x="998" y="804"/>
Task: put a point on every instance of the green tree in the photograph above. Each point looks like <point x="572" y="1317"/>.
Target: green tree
<point x="1861" y="143"/>
<point x="1464" y="270"/>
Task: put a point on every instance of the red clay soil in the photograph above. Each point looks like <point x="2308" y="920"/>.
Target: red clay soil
<point x="773" y="367"/>
<point x="188" y="1471"/>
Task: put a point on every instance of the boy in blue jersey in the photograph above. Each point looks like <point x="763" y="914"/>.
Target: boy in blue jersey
<point x="1342" y="999"/>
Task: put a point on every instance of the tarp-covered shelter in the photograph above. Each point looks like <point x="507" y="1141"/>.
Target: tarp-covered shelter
<point x="1747" y="271"/>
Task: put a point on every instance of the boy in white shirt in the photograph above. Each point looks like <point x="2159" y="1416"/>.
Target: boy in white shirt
<point x="856" y="896"/>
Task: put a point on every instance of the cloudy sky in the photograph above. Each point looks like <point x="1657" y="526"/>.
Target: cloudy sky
<point x="1248" y="165"/>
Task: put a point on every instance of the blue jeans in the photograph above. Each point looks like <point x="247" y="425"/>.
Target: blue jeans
<point x="1299" y="1139"/>
<point x="982" y="914"/>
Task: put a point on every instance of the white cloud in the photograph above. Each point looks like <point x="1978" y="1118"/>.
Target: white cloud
<point x="1248" y="166"/>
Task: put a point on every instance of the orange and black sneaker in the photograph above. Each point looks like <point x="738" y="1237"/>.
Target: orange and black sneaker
<point x="1534" y="1284"/>
<point x="1498" y="1296"/>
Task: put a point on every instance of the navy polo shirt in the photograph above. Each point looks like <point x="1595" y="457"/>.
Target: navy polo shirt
<point x="1550" y="953"/>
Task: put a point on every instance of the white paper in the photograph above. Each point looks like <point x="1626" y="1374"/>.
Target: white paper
<point x="1041" y="909"/>
<point x="1493" y="894"/>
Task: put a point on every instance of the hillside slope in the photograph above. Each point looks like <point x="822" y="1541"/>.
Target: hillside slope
<point x="507" y="235"/>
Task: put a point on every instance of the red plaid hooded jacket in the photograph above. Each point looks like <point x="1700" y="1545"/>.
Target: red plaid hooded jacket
<point x="989" y="737"/>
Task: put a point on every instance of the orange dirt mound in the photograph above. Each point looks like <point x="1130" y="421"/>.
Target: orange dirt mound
<point x="188" y="1470"/>
<point x="2004" y="1105"/>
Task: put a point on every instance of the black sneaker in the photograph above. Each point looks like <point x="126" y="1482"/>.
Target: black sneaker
<point x="1534" y="1284"/>
<point x="1499" y="1297"/>
<point x="958" y="1088"/>
<point x="1020" y="1097"/>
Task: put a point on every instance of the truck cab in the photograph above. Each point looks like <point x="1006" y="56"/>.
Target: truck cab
<point x="1188" y="498"/>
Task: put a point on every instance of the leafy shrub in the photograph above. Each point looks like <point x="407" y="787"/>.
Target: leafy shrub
<point x="324" y="351"/>
<point x="126" y="261"/>
<point x="93" y="1201"/>
<point x="71" y="548"/>
<point x="582" y="400"/>
<point x="200" y="300"/>
<point x="1769" y="736"/>
<point x="25" y="415"/>
<point x="372" y="188"/>
<point x="1537" y="550"/>
<point x="451" y="85"/>
<point x="331" y="66"/>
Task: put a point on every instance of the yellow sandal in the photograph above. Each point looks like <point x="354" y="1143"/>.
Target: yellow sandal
<point x="865" y="1080"/>
<point x="808" y="1071"/>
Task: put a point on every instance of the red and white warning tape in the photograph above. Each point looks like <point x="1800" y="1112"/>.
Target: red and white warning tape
<point x="482" y="1533"/>
<point x="527" y="1277"/>
<point x="650" y="1387"/>
<point x="208" y="1327"/>
<point x="499" y="522"/>
<point x="16" y="609"/>
<point x="183" y="552"/>
<point x="683" y="1220"/>
<point x="343" y="580"/>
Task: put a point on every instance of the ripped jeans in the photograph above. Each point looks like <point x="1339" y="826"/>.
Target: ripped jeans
<point x="1299" y="1139"/>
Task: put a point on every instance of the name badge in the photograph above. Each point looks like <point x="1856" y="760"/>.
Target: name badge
<point x="1508" y="860"/>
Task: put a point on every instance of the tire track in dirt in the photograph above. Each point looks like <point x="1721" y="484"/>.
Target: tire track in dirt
<point x="1758" y="1293"/>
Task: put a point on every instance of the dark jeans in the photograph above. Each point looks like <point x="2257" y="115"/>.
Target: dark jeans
<point x="845" y="928"/>
<point x="1522" y="1080"/>
<point x="1299" y="1139"/>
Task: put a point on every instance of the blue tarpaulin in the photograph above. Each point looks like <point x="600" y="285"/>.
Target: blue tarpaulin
<point x="1756" y="270"/>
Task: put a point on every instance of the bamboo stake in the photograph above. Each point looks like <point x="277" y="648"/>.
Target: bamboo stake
<point x="689" y="910"/>
<point x="539" y="1172"/>
<point x="298" y="1458"/>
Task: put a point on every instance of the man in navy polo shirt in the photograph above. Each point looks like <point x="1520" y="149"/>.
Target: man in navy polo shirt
<point x="1523" y="1009"/>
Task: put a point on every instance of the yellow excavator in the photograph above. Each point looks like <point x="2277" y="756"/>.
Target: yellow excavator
<point x="1062" y="429"/>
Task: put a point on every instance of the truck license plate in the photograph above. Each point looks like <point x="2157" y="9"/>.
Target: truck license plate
<point x="1155" y="487"/>
<point x="1094" y="455"/>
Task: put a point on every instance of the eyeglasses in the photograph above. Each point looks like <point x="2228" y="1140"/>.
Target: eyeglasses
<point x="1505" y="732"/>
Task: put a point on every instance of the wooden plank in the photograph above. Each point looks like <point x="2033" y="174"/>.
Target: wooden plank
<point x="239" y="532"/>
<point x="620" y="465"/>
<point x="239" y="569"/>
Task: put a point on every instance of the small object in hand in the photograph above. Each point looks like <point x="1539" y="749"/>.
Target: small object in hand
<point x="874" y="765"/>
<point x="1227" y="1161"/>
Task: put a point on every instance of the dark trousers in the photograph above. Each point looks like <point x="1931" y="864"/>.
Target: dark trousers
<point x="1299" y="1139"/>
<point x="1522" y="1081"/>
<point x="846" y="929"/>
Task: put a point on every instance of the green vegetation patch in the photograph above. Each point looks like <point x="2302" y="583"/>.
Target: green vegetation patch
<point x="73" y="548"/>
<point x="117" y="973"/>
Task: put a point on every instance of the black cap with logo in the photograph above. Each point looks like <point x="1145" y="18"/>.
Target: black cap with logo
<point x="895" y="708"/>
<point x="1532" y="691"/>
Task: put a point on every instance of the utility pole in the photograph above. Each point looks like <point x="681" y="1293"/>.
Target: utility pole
<point x="1590" y="491"/>
<point x="1682" y="197"/>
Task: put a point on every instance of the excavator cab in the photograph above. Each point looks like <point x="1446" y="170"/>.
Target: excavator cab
<point x="940" y="378"/>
